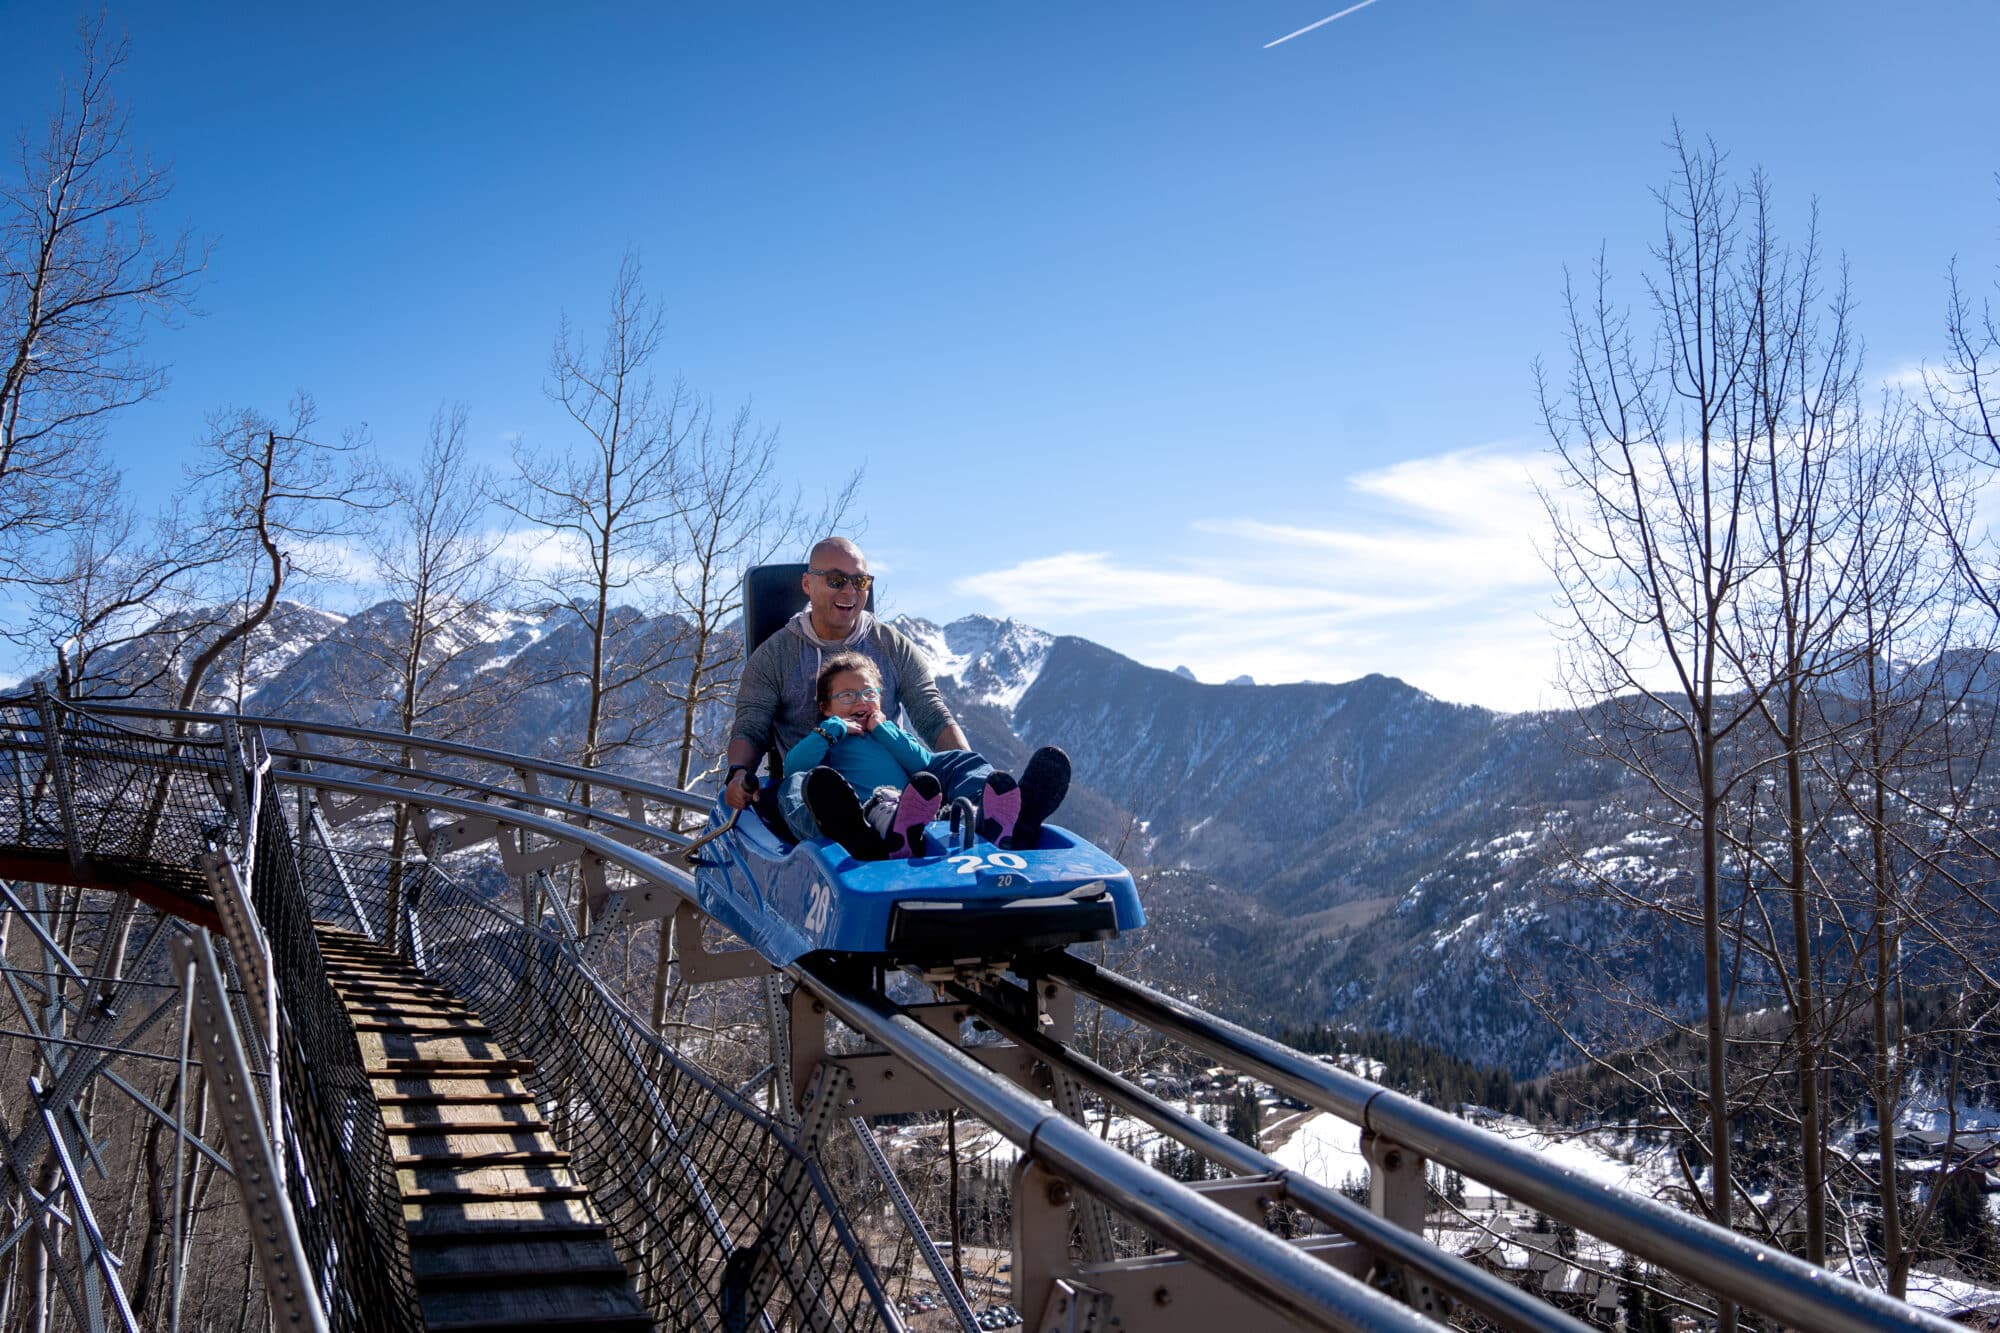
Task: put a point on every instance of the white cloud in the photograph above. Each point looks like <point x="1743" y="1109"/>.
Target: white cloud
<point x="539" y="553"/>
<point x="1905" y="377"/>
<point x="1427" y="570"/>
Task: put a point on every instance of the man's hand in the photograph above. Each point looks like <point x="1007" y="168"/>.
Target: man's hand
<point x="738" y="793"/>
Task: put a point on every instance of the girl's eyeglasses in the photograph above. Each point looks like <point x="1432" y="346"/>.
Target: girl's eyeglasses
<point x="871" y="694"/>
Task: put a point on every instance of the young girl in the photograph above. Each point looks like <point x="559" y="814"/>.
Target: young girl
<point x="855" y="749"/>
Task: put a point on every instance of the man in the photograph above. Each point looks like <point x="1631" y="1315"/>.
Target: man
<point x="778" y="703"/>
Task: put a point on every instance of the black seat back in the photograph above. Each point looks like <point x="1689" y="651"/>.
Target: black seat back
<point x="771" y="596"/>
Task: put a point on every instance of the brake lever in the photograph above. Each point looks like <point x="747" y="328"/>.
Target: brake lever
<point x="686" y="855"/>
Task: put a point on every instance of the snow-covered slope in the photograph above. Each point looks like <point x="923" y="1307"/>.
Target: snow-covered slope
<point x="989" y="661"/>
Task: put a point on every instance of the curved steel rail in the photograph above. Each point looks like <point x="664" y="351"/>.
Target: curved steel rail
<point x="1273" y="1271"/>
<point x="1485" y="1291"/>
<point x="1755" y="1275"/>
<point x="1276" y="1273"/>
<point x="589" y="777"/>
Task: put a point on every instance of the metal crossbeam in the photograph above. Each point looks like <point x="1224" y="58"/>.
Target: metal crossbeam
<point x="927" y="1250"/>
<point x="100" y="1268"/>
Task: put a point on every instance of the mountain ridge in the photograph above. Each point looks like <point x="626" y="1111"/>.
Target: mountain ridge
<point x="1347" y="811"/>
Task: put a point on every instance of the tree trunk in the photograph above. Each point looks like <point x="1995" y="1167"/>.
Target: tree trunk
<point x="1811" y="1133"/>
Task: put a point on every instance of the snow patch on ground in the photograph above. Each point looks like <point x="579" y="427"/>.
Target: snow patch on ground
<point x="1937" y="1295"/>
<point x="1438" y="945"/>
<point x="1327" y="1149"/>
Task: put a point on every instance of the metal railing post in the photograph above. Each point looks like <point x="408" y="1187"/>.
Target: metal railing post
<point x="45" y="706"/>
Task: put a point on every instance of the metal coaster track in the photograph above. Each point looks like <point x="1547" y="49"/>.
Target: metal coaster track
<point x="658" y="1139"/>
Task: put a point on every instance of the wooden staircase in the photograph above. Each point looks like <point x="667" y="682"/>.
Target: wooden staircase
<point x="502" y="1234"/>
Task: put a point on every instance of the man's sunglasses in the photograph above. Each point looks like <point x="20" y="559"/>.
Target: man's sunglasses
<point x="837" y="579"/>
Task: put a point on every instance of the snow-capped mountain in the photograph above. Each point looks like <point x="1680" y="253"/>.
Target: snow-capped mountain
<point x="1356" y="852"/>
<point x="988" y="661"/>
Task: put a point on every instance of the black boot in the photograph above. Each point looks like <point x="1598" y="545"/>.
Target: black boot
<point x="837" y="811"/>
<point x="1044" y="783"/>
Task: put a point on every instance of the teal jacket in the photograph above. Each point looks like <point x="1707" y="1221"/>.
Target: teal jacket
<point x="777" y="703"/>
<point x="884" y="757"/>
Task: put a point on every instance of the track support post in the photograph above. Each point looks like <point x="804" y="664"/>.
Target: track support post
<point x="274" y="1232"/>
<point x="1398" y="1191"/>
<point x="1160" y="1293"/>
<point x="251" y="952"/>
<point x="1395" y="1182"/>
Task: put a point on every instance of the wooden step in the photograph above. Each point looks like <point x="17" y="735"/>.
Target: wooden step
<point x="449" y="1231"/>
<point x="399" y="1067"/>
<point x="490" y="1126"/>
<point x="507" y="1260"/>
<point x="527" y="1194"/>
<point x="346" y="961"/>
<point x="409" y="1011"/>
<point x="348" y="977"/>
<point x="438" y="1098"/>
<point x="402" y="1005"/>
<point x="369" y="992"/>
<point x="554" y="1307"/>
<point x="499" y="1178"/>
<point x="430" y="1135"/>
<point x="445" y="1028"/>
<point x="497" y="1217"/>
<point x="494" y="1157"/>
<point x="520" y="1320"/>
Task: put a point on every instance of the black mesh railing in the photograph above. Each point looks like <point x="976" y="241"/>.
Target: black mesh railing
<point x="125" y="808"/>
<point x="345" y="1197"/>
<point x="97" y="803"/>
<point x="722" y="1220"/>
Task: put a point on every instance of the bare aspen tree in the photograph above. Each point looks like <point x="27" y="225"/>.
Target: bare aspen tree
<point x="1964" y="394"/>
<point x="1798" y="414"/>
<point x="272" y="499"/>
<point x="1650" y="548"/>
<point x="735" y="512"/>
<point x="1904" y="765"/>
<point x="438" y="558"/>
<point x="435" y="555"/>
<point x="606" y="504"/>
<point x="102" y="588"/>
<point x="84" y="270"/>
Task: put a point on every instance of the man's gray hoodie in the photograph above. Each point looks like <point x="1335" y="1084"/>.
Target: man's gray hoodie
<point x="778" y="700"/>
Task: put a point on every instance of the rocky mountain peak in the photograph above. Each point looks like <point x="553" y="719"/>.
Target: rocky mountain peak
<point x="989" y="660"/>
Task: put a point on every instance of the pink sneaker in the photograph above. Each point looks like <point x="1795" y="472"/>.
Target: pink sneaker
<point x="916" y="807"/>
<point x="999" y="808"/>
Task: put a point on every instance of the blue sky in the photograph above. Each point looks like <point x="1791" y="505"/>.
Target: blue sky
<point x="1218" y="355"/>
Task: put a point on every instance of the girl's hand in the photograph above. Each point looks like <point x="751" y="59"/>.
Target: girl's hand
<point x="874" y="719"/>
<point x="838" y="728"/>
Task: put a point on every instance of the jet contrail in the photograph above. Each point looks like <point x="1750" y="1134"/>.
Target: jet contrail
<point x="1321" y="24"/>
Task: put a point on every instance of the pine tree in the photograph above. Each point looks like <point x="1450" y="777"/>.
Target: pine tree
<point x="1965" y="1230"/>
